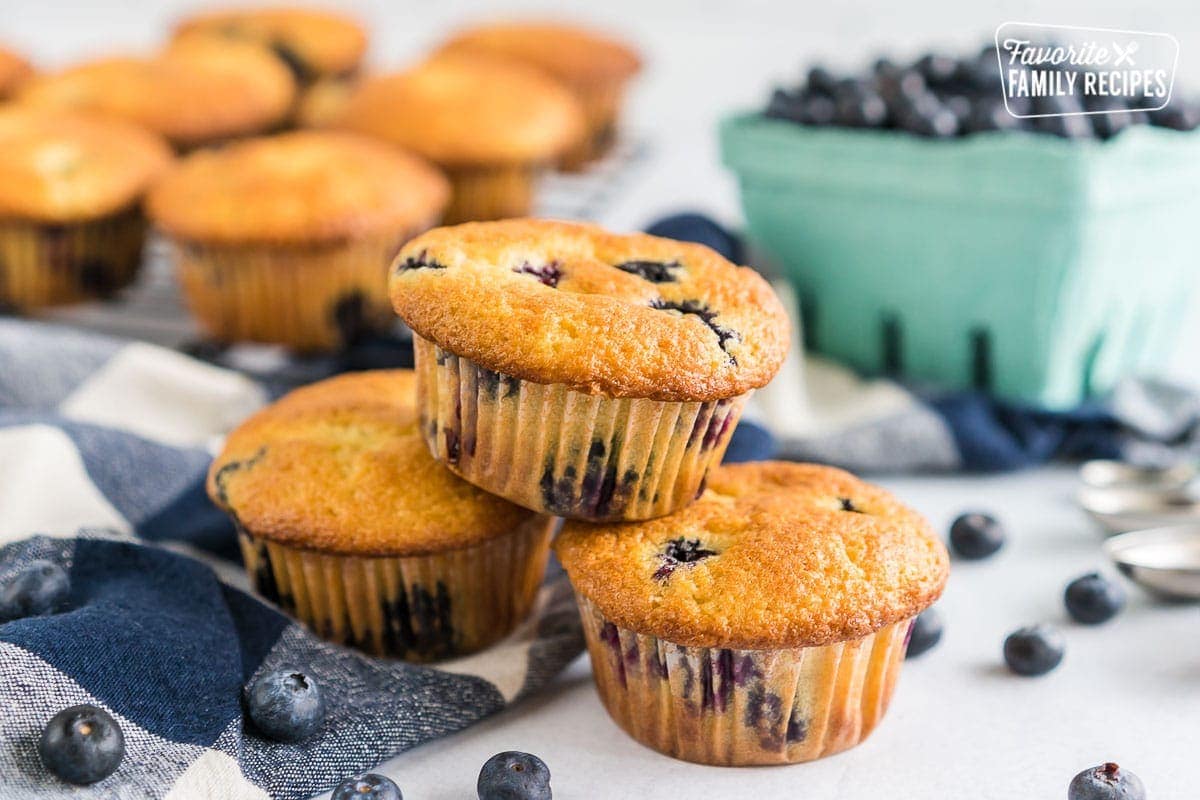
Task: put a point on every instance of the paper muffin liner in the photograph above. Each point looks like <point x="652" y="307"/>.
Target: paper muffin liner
<point x="563" y="452"/>
<point x="43" y="265"/>
<point x="419" y="608"/>
<point x="601" y="103"/>
<point x="730" y="707"/>
<point x="490" y="192"/>
<point x="308" y="297"/>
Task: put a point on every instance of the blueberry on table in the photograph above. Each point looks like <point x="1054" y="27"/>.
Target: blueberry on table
<point x="1034" y="651"/>
<point x="936" y="69"/>
<point x="285" y="704"/>
<point x="41" y="587"/>
<point x="926" y="632"/>
<point x="82" y="745"/>
<point x="861" y="110"/>
<point x="513" y="775"/>
<point x="1178" y="115"/>
<point x="820" y="80"/>
<point x="991" y="116"/>
<point x="1106" y="782"/>
<point x="976" y="536"/>
<point x="1093" y="599"/>
<point x="818" y="110"/>
<point x="367" y="787"/>
<point x="1073" y="126"/>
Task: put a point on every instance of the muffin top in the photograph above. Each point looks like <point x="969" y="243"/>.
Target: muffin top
<point x="773" y="555"/>
<point x="313" y="42"/>
<point x="199" y="90"/>
<point x="575" y="55"/>
<point x="306" y="186"/>
<point x="340" y="466"/>
<point x="467" y="110"/>
<point x="60" y="166"/>
<point x="13" y="70"/>
<point x="608" y="314"/>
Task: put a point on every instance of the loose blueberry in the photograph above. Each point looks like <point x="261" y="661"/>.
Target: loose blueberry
<point x="514" y="776"/>
<point x="40" y="588"/>
<point x="937" y="69"/>
<point x="975" y="536"/>
<point x="1106" y="782"/>
<point x="818" y="110"/>
<point x="82" y="745"/>
<point x="285" y="704"/>
<point x="1093" y="599"/>
<point x="1034" y="650"/>
<point x="821" y="80"/>
<point x="926" y="632"/>
<point x="1179" y="115"/>
<point x="991" y="116"/>
<point x="368" y="787"/>
<point x="861" y="110"/>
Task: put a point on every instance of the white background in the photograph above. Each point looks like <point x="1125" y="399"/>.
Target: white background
<point x="960" y="727"/>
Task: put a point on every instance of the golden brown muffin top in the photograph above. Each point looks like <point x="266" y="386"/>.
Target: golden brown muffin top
<point x="340" y="467"/>
<point x="200" y="90"/>
<point x="305" y="186"/>
<point x="60" y="167"/>
<point x="773" y="555"/>
<point x="576" y="55"/>
<point x="13" y="70"/>
<point x="608" y="314"/>
<point x="467" y="110"/>
<point x="315" y="42"/>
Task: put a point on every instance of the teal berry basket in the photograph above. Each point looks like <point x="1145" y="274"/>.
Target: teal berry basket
<point x="1039" y="269"/>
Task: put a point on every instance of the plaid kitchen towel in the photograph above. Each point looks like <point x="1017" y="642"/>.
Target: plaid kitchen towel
<point x="103" y="450"/>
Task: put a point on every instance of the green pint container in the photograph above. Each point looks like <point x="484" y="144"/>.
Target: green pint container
<point x="1037" y="268"/>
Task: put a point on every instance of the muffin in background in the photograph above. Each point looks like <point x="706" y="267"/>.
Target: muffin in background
<point x="347" y="522"/>
<point x="321" y="47"/>
<point x="492" y="125"/>
<point x="197" y="92"/>
<point x="14" y="69"/>
<point x="596" y="68"/>
<point x="287" y="238"/>
<point x="765" y="623"/>
<point x="579" y="372"/>
<point x="71" y="186"/>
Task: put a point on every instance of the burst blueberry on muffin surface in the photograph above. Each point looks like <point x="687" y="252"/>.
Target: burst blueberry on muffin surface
<point x="335" y="477"/>
<point x="625" y="361"/>
<point x="767" y="617"/>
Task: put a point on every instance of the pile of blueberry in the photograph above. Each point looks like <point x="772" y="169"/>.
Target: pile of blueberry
<point x="940" y="96"/>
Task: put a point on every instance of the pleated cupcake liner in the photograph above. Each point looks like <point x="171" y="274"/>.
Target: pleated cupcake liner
<point x="420" y="608"/>
<point x="44" y="265"/>
<point x="490" y="192"/>
<point x="311" y="298"/>
<point x="563" y="452"/>
<point x="729" y="707"/>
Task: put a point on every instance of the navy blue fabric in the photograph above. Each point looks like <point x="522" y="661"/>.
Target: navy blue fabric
<point x="750" y="442"/>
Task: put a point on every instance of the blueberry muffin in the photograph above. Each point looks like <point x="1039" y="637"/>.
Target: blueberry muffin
<point x="14" y="69"/>
<point x="579" y="372"/>
<point x="347" y="522"/>
<point x="197" y="92"/>
<point x="763" y="624"/>
<point x="594" y="67"/>
<point x="71" y="187"/>
<point x="287" y="238"/>
<point x="321" y="47"/>
<point x="492" y="125"/>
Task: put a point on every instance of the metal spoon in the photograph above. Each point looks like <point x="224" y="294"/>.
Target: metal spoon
<point x="1106" y="474"/>
<point x="1165" y="561"/>
<point x="1121" y="510"/>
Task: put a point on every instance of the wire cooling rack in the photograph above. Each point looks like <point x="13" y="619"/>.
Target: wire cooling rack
<point x="152" y="309"/>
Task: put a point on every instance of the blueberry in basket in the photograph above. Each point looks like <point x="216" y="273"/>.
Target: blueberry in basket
<point x="942" y="96"/>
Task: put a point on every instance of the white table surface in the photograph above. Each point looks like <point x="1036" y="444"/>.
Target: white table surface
<point x="960" y="725"/>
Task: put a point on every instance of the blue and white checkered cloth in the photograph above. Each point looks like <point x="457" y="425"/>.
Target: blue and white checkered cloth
<point x="103" y="450"/>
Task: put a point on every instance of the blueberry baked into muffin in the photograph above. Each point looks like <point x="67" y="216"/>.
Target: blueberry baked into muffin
<point x="13" y="70"/>
<point x="322" y="48"/>
<point x="347" y="522"/>
<point x="287" y="239"/>
<point x="71" y="188"/>
<point x="197" y="92"/>
<point x="763" y="624"/>
<point x="579" y="372"/>
<point x="596" y="68"/>
<point x="490" y="124"/>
